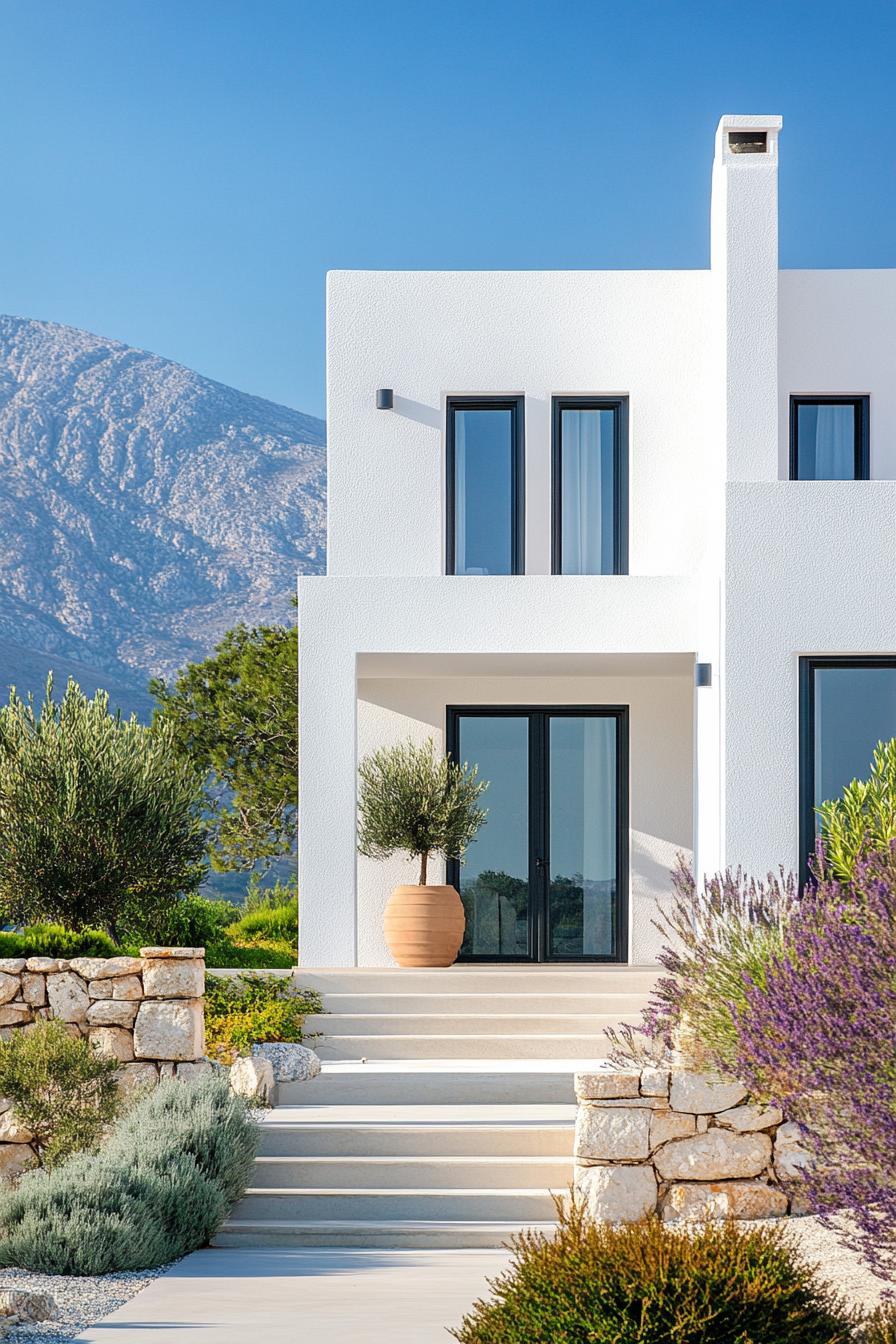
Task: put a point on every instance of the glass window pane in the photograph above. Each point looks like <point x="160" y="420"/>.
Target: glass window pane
<point x="494" y="876"/>
<point x="582" y="830"/>
<point x="826" y="441"/>
<point x="587" y="471"/>
<point x="484" y="451"/>
<point x="855" y="708"/>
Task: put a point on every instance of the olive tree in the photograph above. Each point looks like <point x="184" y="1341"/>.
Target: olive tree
<point x="415" y="801"/>
<point x="98" y="814"/>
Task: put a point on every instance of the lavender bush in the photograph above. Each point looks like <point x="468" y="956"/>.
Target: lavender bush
<point x="816" y="1033"/>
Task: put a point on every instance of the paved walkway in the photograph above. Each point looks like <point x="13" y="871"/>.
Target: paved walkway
<point x="313" y="1296"/>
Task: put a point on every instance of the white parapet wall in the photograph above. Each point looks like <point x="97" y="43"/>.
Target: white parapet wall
<point x="684" y="1145"/>
<point x="146" y="1012"/>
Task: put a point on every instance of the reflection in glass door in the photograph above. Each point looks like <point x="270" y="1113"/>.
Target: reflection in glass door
<point x="546" y="877"/>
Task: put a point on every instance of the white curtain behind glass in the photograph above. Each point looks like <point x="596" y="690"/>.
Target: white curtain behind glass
<point x="835" y="443"/>
<point x="587" y="445"/>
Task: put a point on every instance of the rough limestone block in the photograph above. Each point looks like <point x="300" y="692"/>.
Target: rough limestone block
<point x="598" y="1086"/>
<point x="113" y="1043"/>
<point x="791" y="1155"/>
<point x="617" y="1194"/>
<point x="654" y="1082"/>
<point x="127" y="987"/>
<point x="612" y="1134"/>
<point x="11" y="1131"/>
<point x="702" y="1124"/>
<point x="704" y="1093"/>
<point x="745" y="1118"/>
<point x="86" y="967"/>
<point x="112" y="967"/>
<point x="44" y="965"/>
<point x="34" y="989"/>
<point x="100" y="989"/>
<point x="717" y="1155"/>
<point x="112" y="1013"/>
<point x="9" y="986"/>
<point x="15" y="1158"/>
<point x="169" y="979"/>
<point x="12" y="965"/>
<point x="15" y="1014"/>
<point x="253" y="1078"/>
<point x="723" y="1199"/>
<point x="68" y="996"/>
<point x="175" y="953"/>
<point x="171" y="1029"/>
<point x="191" y="1072"/>
<point x="166" y="1070"/>
<point x="668" y="1125"/>
<point x="291" y="1062"/>
<point x="136" y="1078"/>
<point x="25" y="1304"/>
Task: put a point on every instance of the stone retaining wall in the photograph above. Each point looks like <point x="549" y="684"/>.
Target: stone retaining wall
<point x="681" y="1144"/>
<point x="145" y="1012"/>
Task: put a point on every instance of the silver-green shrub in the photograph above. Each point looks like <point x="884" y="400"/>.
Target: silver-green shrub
<point x="160" y="1187"/>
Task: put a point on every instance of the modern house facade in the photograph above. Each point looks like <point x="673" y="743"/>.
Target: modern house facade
<point x="624" y="539"/>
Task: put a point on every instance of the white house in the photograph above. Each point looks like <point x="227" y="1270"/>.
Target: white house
<point x="623" y="538"/>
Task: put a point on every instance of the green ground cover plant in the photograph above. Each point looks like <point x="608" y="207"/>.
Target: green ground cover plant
<point x="52" y="940"/>
<point x="246" y="1010"/>
<point x="60" y="1089"/>
<point x="159" y="1188"/>
<point x="644" y="1283"/>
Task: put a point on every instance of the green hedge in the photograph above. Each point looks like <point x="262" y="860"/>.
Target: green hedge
<point x="160" y="1187"/>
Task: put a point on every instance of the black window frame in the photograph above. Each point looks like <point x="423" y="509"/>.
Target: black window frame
<point x="517" y="405"/>
<point x="862" y="409"/>
<point x="808" y="667"/>
<point x="539" y="822"/>
<point x="619" y="405"/>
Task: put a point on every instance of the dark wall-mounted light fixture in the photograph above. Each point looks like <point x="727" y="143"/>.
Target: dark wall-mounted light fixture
<point x="704" y="674"/>
<point x="384" y="398"/>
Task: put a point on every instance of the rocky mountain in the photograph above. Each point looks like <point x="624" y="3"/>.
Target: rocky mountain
<point x="144" y="509"/>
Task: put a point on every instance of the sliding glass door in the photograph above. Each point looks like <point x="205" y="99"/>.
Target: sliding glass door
<point x="546" y="878"/>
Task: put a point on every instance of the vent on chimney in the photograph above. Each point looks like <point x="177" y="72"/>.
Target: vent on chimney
<point x="748" y="142"/>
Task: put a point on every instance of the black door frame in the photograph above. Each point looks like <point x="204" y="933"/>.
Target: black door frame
<point x="539" y="717"/>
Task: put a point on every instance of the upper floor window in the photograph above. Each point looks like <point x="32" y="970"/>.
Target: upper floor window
<point x="485" y="486"/>
<point x="829" y="439"/>
<point x="590" y="486"/>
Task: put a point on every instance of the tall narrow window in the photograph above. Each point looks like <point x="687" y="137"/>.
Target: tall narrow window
<point x="848" y="705"/>
<point x="590" y="486"/>
<point x="485" y="486"/>
<point x="829" y="439"/>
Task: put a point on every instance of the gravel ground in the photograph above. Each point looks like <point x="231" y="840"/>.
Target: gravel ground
<point x="842" y="1268"/>
<point x="80" y="1302"/>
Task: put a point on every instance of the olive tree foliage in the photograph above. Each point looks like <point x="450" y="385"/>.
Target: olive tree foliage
<point x="235" y="717"/>
<point x="98" y="814"/>
<point x="862" y="820"/>
<point x="413" y="800"/>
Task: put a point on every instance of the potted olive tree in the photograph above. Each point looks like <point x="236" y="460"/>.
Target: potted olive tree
<point x="413" y="800"/>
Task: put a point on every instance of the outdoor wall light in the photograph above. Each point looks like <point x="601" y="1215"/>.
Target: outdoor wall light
<point x="384" y="398"/>
<point x="704" y="674"/>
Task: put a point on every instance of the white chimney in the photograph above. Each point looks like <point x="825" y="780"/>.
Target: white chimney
<point x="744" y="261"/>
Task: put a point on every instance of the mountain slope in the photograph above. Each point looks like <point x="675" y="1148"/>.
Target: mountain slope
<point x="144" y="509"/>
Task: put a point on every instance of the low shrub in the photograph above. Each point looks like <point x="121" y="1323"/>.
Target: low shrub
<point x="880" y="1327"/>
<point x="60" y="1089"/>
<point x="260" y="956"/>
<point x="160" y="1187"/>
<point x="646" y="1283"/>
<point x="275" y="923"/>
<point x="246" y="1010"/>
<point x="191" y="921"/>
<point x="259" y="897"/>
<point x="52" y="940"/>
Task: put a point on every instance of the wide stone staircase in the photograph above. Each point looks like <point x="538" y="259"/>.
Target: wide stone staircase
<point x="444" y="1112"/>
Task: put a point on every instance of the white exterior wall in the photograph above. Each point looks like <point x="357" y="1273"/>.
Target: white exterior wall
<point x="730" y="563"/>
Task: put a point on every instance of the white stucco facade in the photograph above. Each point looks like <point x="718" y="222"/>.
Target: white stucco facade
<point x="730" y="563"/>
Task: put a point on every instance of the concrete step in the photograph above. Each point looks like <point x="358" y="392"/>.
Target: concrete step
<point x="418" y="1131"/>
<point x="535" y="1004"/>
<point x="517" y="979"/>
<point x="448" y="1022"/>
<point x="416" y="1173"/>
<point x="414" y="1234"/>
<point x="382" y="1205"/>
<point x="435" y="1082"/>
<point x="455" y="1047"/>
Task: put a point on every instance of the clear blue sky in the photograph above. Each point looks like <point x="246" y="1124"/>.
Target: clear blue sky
<point x="181" y="174"/>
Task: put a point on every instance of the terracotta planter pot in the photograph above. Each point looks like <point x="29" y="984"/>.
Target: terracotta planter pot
<point x="424" y="926"/>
